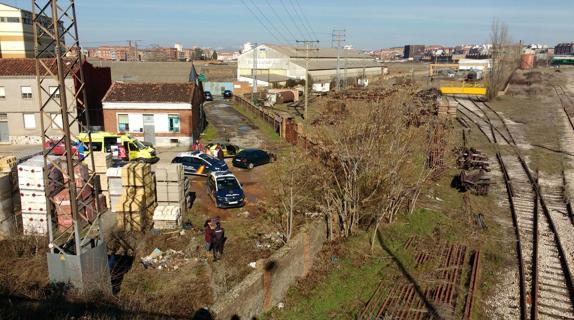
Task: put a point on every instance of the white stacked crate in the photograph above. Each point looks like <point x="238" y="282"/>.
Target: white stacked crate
<point x="115" y="188"/>
<point x="167" y="217"/>
<point x="33" y="189"/>
<point x="170" y="182"/>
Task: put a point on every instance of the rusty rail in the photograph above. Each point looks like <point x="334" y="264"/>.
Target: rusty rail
<point x="474" y="276"/>
<point x="541" y="201"/>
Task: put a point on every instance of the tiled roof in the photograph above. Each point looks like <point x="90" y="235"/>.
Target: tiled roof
<point x="136" y="71"/>
<point x="150" y="92"/>
<point x="26" y="66"/>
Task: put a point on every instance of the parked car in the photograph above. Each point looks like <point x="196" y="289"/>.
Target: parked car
<point x="227" y="94"/>
<point x="58" y="149"/>
<point x="199" y="163"/>
<point x="229" y="150"/>
<point x="225" y="190"/>
<point x="250" y="158"/>
<point x="207" y="95"/>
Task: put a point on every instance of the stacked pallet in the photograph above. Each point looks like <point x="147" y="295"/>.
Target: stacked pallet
<point x="86" y="201"/>
<point x="171" y="187"/>
<point x="7" y="163"/>
<point x="114" y="183"/>
<point x="33" y="191"/>
<point x="167" y="217"/>
<point x="102" y="162"/>
<point x="137" y="201"/>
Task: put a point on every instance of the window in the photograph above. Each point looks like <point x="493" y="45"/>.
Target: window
<point x="13" y="19"/>
<point x="54" y="91"/>
<point x="57" y="122"/>
<point x="26" y="92"/>
<point x="29" y="121"/>
<point x="2" y="93"/>
<point x="173" y="123"/>
<point x="123" y="123"/>
<point x="96" y="146"/>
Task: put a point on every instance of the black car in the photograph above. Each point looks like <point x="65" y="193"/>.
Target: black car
<point x="227" y="94"/>
<point x="207" y="95"/>
<point x="250" y="158"/>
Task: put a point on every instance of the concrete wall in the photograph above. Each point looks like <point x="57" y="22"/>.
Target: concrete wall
<point x="268" y="284"/>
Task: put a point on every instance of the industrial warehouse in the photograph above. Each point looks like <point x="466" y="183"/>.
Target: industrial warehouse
<point x="286" y="160"/>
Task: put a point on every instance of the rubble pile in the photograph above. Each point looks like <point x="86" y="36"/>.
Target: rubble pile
<point x="273" y="240"/>
<point x="165" y="260"/>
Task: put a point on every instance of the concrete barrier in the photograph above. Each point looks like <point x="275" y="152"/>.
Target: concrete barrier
<point x="267" y="285"/>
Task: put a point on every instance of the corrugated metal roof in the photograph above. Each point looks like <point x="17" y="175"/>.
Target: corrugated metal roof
<point x="324" y="64"/>
<point x="146" y="72"/>
<point x="150" y="92"/>
<point x="292" y="52"/>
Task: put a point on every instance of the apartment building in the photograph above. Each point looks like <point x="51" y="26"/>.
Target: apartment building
<point x="17" y="33"/>
<point x="20" y="120"/>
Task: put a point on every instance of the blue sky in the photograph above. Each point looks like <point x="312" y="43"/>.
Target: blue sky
<point x="369" y="24"/>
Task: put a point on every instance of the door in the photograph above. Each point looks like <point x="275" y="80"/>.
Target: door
<point x="149" y="128"/>
<point x="133" y="151"/>
<point x="230" y="150"/>
<point x="4" y="134"/>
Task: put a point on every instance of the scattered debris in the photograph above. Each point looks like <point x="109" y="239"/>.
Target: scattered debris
<point x="253" y="264"/>
<point x="168" y="260"/>
<point x="273" y="240"/>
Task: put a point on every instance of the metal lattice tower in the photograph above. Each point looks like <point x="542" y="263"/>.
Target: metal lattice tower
<point x="338" y="38"/>
<point x="307" y="47"/>
<point x="78" y="255"/>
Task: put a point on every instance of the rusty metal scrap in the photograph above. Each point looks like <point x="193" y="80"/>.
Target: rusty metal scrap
<point x="471" y="158"/>
<point x="476" y="181"/>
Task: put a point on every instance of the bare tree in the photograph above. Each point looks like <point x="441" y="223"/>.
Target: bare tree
<point x="375" y="164"/>
<point x="293" y="185"/>
<point x="500" y="41"/>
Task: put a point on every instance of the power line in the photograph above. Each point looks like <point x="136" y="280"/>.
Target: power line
<point x="261" y="22"/>
<point x="292" y="19"/>
<point x="283" y="24"/>
<point x="306" y="21"/>
<point x="269" y="22"/>
<point x="300" y="19"/>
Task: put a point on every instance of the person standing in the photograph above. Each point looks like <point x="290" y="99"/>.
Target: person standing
<point x="218" y="241"/>
<point x="197" y="146"/>
<point x="208" y="235"/>
<point x="219" y="152"/>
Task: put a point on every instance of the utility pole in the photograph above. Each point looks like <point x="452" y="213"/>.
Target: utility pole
<point x="338" y="37"/>
<point x="254" y="74"/>
<point x="77" y="255"/>
<point x="308" y="47"/>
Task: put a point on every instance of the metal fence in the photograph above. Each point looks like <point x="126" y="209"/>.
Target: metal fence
<point x="273" y="119"/>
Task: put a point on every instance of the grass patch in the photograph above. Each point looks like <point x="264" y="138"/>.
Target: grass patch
<point x="267" y="130"/>
<point x="210" y="133"/>
<point x="355" y="272"/>
<point x="344" y="279"/>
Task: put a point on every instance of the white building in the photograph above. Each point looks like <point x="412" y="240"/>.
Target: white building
<point x="278" y="63"/>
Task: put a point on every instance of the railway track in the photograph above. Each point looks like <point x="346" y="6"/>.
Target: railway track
<point x="537" y="208"/>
